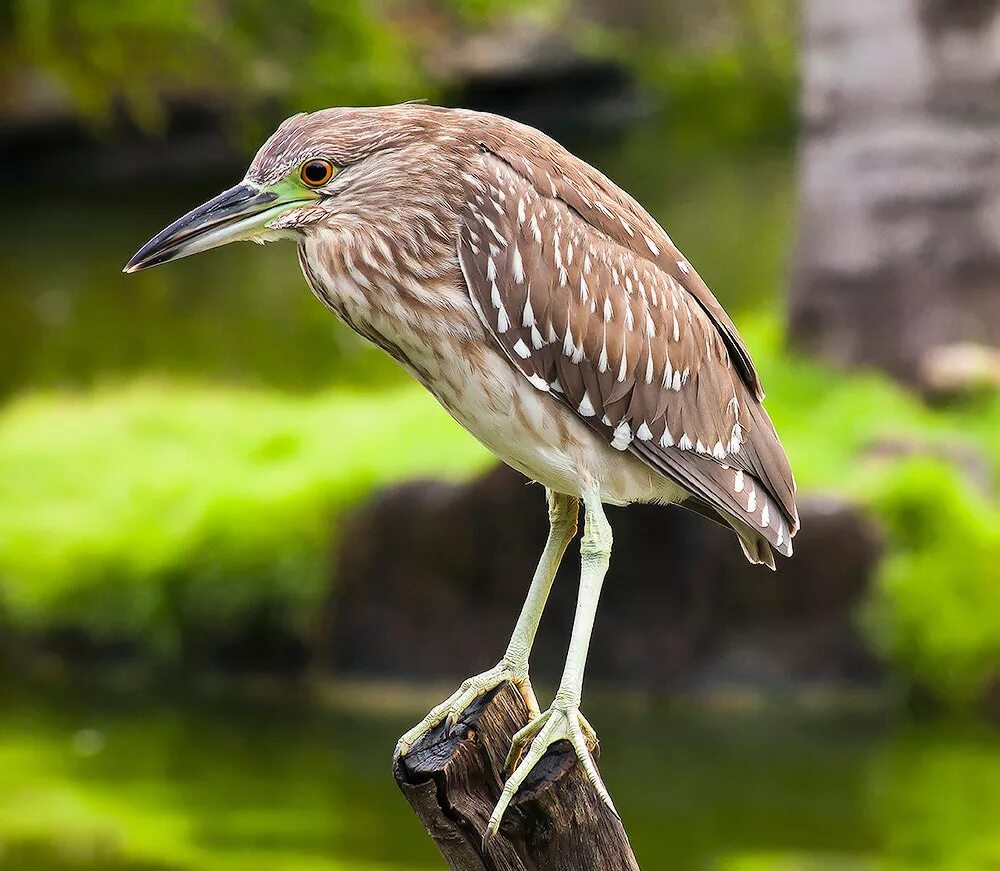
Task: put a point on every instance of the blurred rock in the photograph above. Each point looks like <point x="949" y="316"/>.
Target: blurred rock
<point x="966" y="458"/>
<point x="991" y="699"/>
<point x="899" y="246"/>
<point x="430" y="577"/>
<point x="959" y="370"/>
<point x="534" y="73"/>
<point x="195" y="145"/>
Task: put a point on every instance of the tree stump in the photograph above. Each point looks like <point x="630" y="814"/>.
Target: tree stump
<point x="452" y="779"/>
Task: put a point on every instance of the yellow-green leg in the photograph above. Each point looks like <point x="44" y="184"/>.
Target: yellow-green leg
<point x="563" y="719"/>
<point x="513" y="667"/>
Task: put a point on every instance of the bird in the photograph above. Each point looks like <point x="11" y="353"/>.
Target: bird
<point x="550" y="315"/>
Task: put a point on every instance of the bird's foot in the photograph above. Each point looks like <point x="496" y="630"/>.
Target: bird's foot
<point x="471" y="689"/>
<point x="558" y="723"/>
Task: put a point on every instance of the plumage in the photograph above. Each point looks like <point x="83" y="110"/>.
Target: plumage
<point x="569" y="280"/>
<point x="552" y="317"/>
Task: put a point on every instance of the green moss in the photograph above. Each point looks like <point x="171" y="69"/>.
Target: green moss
<point x="936" y="610"/>
<point x="156" y="512"/>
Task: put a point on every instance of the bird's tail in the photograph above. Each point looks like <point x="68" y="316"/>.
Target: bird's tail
<point x="772" y="531"/>
<point x="756" y="548"/>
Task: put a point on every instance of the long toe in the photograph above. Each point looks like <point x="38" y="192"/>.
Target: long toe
<point x="555" y="724"/>
<point x="523" y="738"/>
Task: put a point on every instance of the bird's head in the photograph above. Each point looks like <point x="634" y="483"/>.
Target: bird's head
<point x="333" y="167"/>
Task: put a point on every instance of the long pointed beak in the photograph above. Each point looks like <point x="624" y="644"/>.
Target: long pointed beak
<point x="234" y="214"/>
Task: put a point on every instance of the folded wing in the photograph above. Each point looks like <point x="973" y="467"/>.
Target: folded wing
<point x="590" y="300"/>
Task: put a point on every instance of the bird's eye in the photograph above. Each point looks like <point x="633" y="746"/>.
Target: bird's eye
<point x="316" y="172"/>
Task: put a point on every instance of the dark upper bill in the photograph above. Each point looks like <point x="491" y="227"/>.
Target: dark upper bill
<point x="234" y="214"/>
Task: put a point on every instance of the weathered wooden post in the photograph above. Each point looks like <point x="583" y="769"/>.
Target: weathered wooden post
<point x="453" y="776"/>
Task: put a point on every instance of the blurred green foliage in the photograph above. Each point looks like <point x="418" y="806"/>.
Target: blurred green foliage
<point x="162" y="514"/>
<point x="834" y="423"/>
<point x="311" y="53"/>
<point x="102" y="53"/>
<point x="307" y="53"/>
<point x="726" y="72"/>
<point x="241" y="315"/>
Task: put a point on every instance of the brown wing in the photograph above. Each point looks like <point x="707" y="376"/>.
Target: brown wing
<point x="623" y="341"/>
<point x="554" y="172"/>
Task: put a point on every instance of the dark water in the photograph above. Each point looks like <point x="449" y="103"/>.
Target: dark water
<point x="90" y="781"/>
<point x="243" y="314"/>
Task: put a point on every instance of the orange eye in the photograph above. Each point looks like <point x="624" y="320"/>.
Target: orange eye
<point x="317" y="172"/>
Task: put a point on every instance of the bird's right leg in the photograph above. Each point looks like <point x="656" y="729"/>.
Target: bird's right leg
<point x="513" y="666"/>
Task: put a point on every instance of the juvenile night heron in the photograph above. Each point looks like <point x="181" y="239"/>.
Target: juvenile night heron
<point x="548" y="313"/>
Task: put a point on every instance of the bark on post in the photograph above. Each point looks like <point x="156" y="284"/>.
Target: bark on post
<point x="453" y="777"/>
<point x="898" y="259"/>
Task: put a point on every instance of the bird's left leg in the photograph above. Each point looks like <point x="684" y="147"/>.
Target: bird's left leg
<point x="563" y="720"/>
<point x="563" y="513"/>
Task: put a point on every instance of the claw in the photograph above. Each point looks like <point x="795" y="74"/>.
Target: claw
<point x="449" y="711"/>
<point x="554" y="725"/>
<point x="589" y="731"/>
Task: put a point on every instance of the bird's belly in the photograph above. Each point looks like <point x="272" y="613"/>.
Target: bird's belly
<point x="531" y="431"/>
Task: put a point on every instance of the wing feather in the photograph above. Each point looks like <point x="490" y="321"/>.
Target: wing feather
<point x="609" y="318"/>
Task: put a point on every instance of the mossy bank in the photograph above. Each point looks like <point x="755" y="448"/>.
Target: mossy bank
<point x="170" y="518"/>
